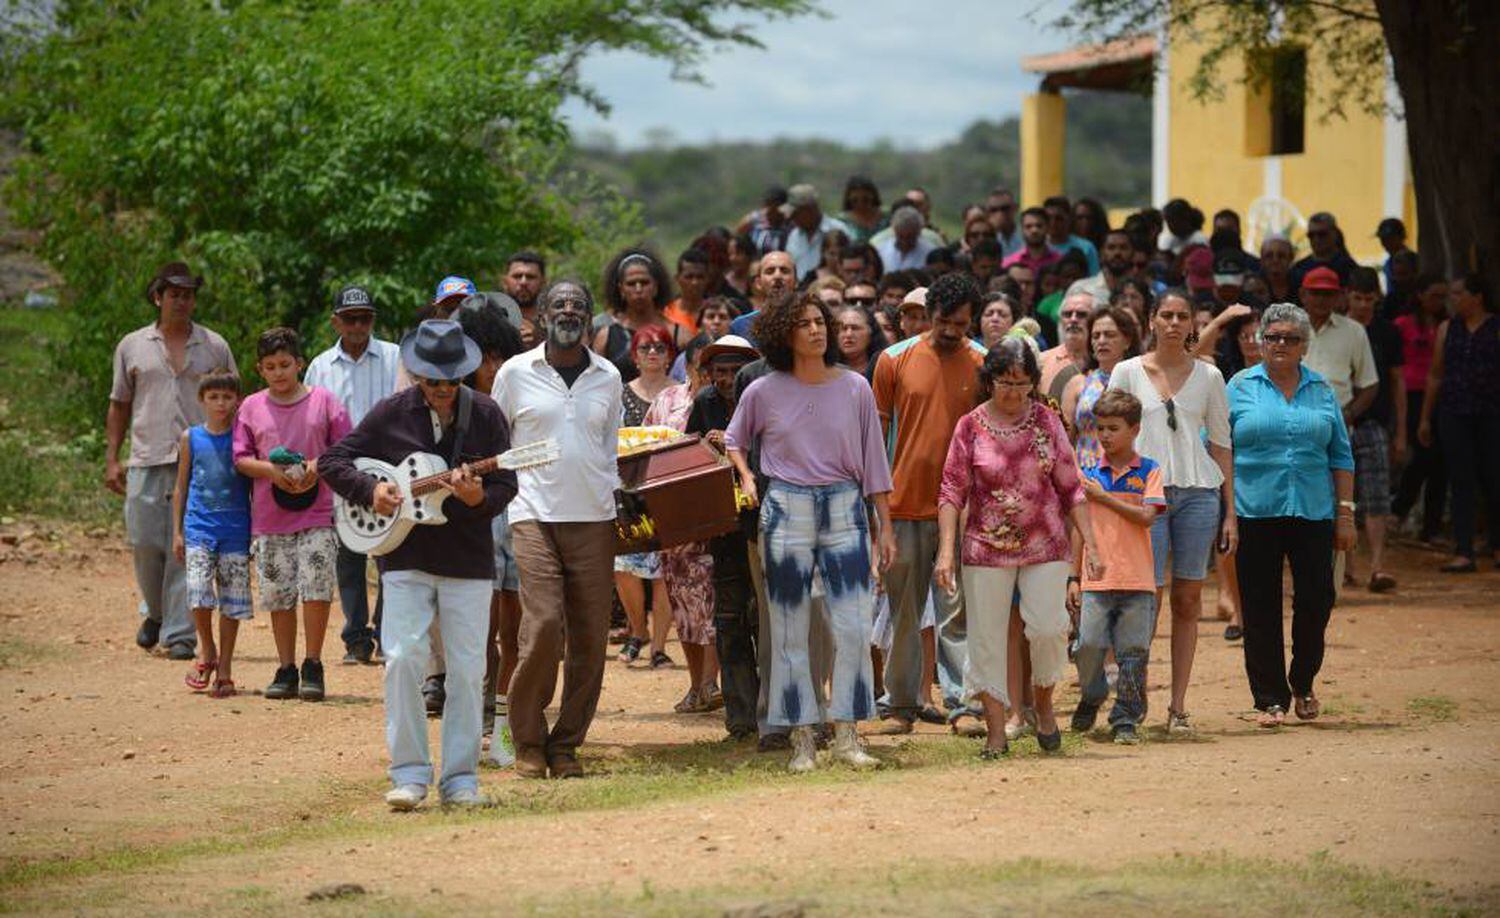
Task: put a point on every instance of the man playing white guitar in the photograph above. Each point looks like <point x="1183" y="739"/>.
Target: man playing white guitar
<point x="436" y="570"/>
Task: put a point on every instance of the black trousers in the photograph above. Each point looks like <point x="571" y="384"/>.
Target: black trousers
<point x="735" y="625"/>
<point x="1424" y="475"/>
<point x="1307" y="547"/>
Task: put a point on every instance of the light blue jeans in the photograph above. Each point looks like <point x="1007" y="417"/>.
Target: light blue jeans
<point x="462" y="609"/>
<point x="824" y="528"/>
<point x="1121" y="620"/>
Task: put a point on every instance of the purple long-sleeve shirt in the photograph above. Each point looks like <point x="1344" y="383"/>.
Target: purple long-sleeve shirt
<point x="813" y="434"/>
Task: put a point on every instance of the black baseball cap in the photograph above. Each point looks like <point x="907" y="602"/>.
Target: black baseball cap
<point x="1390" y="226"/>
<point x="1229" y="268"/>
<point x="353" y="298"/>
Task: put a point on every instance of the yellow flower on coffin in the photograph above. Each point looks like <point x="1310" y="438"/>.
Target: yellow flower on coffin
<point x="632" y="439"/>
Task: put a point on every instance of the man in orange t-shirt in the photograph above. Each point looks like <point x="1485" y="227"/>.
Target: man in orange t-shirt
<point x="692" y="284"/>
<point x="923" y="385"/>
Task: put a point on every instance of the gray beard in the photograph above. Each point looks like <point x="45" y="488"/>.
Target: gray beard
<point x="566" y="338"/>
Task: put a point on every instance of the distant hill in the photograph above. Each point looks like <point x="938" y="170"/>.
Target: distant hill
<point x="685" y="188"/>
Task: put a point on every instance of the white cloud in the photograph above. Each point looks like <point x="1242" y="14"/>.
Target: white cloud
<point x="912" y="71"/>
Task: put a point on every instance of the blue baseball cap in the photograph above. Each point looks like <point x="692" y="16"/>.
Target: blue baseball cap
<point x="453" y="285"/>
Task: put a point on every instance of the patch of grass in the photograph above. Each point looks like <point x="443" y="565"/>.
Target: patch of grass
<point x="646" y="775"/>
<point x="1436" y="708"/>
<point x="1163" y="885"/>
<point x="18" y="652"/>
<point x="51" y="469"/>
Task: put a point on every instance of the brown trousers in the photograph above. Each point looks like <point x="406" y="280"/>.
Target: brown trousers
<point x="567" y="574"/>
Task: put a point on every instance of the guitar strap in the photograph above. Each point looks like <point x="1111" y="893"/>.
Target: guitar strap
<point x="461" y="424"/>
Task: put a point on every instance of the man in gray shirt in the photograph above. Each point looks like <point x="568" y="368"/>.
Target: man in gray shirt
<point x="154" y="396"/>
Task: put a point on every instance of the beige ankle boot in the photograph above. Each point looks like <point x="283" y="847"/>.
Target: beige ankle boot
<point x="847" y="747"/>
<point x="804" y="751"/>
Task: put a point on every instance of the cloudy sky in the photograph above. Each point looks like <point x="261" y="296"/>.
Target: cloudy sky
<point x="914" y="71"/>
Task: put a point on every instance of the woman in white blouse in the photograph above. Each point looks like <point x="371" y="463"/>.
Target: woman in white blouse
<point x="1181" y="399"/>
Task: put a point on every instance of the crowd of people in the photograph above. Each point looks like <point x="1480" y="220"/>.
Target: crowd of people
<point x="971" y="461"/>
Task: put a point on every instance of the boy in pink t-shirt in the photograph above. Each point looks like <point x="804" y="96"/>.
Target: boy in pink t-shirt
<point x="279" y="435"/>
<point x="1118" y="610"/>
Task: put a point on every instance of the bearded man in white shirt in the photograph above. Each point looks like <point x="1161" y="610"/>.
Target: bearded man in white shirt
<point x="562" y="528"/>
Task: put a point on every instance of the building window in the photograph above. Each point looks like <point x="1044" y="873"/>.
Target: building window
<point x="1276" y="94"/>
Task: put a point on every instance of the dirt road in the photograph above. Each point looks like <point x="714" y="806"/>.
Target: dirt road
<point x="124" y="791"/>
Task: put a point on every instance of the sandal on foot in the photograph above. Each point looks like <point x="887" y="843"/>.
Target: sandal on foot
<point x="1273" y="717"/>
<point x="994" y="753"/>
<point x="223" y="688"/>
<point x="1381" y="582"/>
<point x="631" y="651"/>
<point x="1307" y="707"/>
<point x="689" y="704"/>
<point x="198" y="674"/>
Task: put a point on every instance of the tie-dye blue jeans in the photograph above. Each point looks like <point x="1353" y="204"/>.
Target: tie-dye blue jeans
<point x="824" y="528"/>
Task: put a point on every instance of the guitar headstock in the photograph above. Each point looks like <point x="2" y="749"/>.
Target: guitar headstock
<point x="531" y="455"/>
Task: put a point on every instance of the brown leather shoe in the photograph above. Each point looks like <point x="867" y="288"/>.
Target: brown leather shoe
<point x="530" y="763"/>
<point x="565" y="765"/>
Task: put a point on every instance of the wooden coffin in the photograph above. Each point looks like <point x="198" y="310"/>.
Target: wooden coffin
<point x="675" y="492"/>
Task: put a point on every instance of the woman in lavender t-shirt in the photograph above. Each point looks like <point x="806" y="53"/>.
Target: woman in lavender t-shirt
<point x="821" y="448"/>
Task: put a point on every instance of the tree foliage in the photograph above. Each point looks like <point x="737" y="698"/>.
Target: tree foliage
<point x="287" y="148"/>
<point x="685" y="188"/>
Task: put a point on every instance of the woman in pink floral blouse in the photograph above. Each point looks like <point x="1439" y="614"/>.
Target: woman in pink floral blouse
<point x="1011" y="466"/>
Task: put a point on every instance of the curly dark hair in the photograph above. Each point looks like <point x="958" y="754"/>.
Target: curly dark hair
<point x="774" y="326"/>
<point x="951" y="292"/>
<point x="1007" y="354"/>
<point x="614" y="272"/>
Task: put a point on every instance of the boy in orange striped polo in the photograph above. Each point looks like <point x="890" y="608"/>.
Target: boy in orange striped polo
<point x="1117" y="611"/>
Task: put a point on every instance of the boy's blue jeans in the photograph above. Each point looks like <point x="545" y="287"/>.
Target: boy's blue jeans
<point x="1123" y="620"/>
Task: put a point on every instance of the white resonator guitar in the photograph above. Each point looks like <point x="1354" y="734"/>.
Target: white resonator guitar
<point x="422" y="479"/>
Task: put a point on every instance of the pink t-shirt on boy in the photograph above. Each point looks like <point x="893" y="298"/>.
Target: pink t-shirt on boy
<point x="309" y="426"/>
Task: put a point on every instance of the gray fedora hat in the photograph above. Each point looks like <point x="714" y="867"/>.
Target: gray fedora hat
<point x="439" y="349"/>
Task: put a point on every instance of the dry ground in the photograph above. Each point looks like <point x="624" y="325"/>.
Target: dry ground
<point x="123" y="792"/>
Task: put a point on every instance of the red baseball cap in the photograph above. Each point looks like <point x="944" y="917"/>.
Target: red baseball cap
<point x="1322" y="279"/>
<point x="1198" y="267"/>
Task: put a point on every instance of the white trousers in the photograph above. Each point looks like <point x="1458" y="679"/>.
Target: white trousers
<point x="1044" y="610"/>
<point x="462" y="609"/>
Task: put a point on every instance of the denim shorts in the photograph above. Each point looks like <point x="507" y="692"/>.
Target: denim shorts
<point x="1186" y="532"/>
<point x="507" y="575"/>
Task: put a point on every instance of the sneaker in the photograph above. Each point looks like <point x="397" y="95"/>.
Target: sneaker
<point x="312" y="680"/>
<point x="359" y="654"/>
<point x="1084" y="717"/>
<point x="147" y="634"/>
<point x="181" y="652"/>
<point x="660" y="660"/>
<point x="1178" y="724"/>
<point x="502" y="747"/>
<point x="1125" y="735"/>
<point x="405" y="798"/>
<point x="285" y="684"/>
<point x="435" y="693"/>
<point x="469" y="798"/>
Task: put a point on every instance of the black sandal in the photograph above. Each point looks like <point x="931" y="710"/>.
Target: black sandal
<point x="631" y="651"/>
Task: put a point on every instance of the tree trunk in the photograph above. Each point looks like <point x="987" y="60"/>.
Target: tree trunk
<point x="1446" y="55"/>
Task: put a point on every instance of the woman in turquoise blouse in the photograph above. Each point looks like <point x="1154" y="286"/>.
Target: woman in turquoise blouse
<point x="1294" y="486"/>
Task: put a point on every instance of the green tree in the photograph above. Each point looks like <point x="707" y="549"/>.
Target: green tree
<point x="1446" y="59"/>
<point x="286" y="148"/>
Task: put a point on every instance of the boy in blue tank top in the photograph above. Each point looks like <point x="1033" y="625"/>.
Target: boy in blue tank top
<point x="211" y="532"/>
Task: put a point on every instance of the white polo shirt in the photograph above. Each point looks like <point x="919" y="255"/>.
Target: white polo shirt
<point x="584" y="419"/>
<point x="1340" y="353"/>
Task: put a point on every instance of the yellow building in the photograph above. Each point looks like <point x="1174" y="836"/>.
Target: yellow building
<point x="1268" y="157"/>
